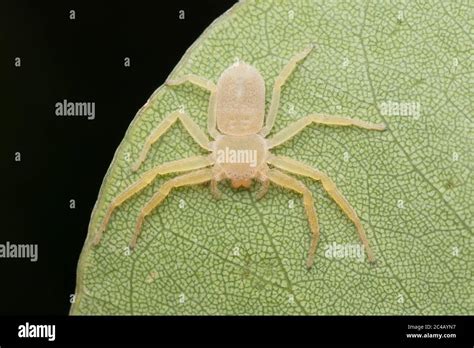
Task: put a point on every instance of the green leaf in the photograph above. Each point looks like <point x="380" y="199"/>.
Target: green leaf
<point x="411" y="185"/>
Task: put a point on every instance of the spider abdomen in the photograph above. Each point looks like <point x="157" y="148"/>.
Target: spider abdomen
<point x="240" y="100"/>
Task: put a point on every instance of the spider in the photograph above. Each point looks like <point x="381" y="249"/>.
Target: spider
<point x="240" y="150"/>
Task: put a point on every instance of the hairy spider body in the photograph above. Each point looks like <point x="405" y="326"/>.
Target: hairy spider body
<point x="240" y="100"/>
<point x="240" y="158"/>
<point x="240" y="151"/>
<point x="240" y="112"/>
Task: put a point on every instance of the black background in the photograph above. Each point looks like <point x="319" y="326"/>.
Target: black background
<point x="65" y="158"/>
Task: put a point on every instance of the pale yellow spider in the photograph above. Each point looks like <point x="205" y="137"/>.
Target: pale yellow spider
<point x="240" y="150"/>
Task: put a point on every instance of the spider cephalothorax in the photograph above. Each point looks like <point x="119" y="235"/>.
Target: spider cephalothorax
<point x="240" y="151"/>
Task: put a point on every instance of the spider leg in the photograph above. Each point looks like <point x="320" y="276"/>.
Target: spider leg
<point x="194" y="79"/>
<point x="193" y="129"/>
<point x="217" y="175"/>
<point x="182" y="165"/>
<point x="297" y="126"/>
<point x="263" y="178"/>
<point x="193" y="178"/>
<point x="207" y="85"/>
<point x="299" y="168"/>
<point x="264" y="189"/>
<point x="279" y="81"/>
<point x="215" y="189"/>
<point x="293" y="184"/>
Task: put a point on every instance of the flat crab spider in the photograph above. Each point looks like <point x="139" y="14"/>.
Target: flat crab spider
<point x="236" y="118"/>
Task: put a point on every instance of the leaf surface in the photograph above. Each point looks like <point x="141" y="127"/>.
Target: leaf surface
<point x="411" y="185"/>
